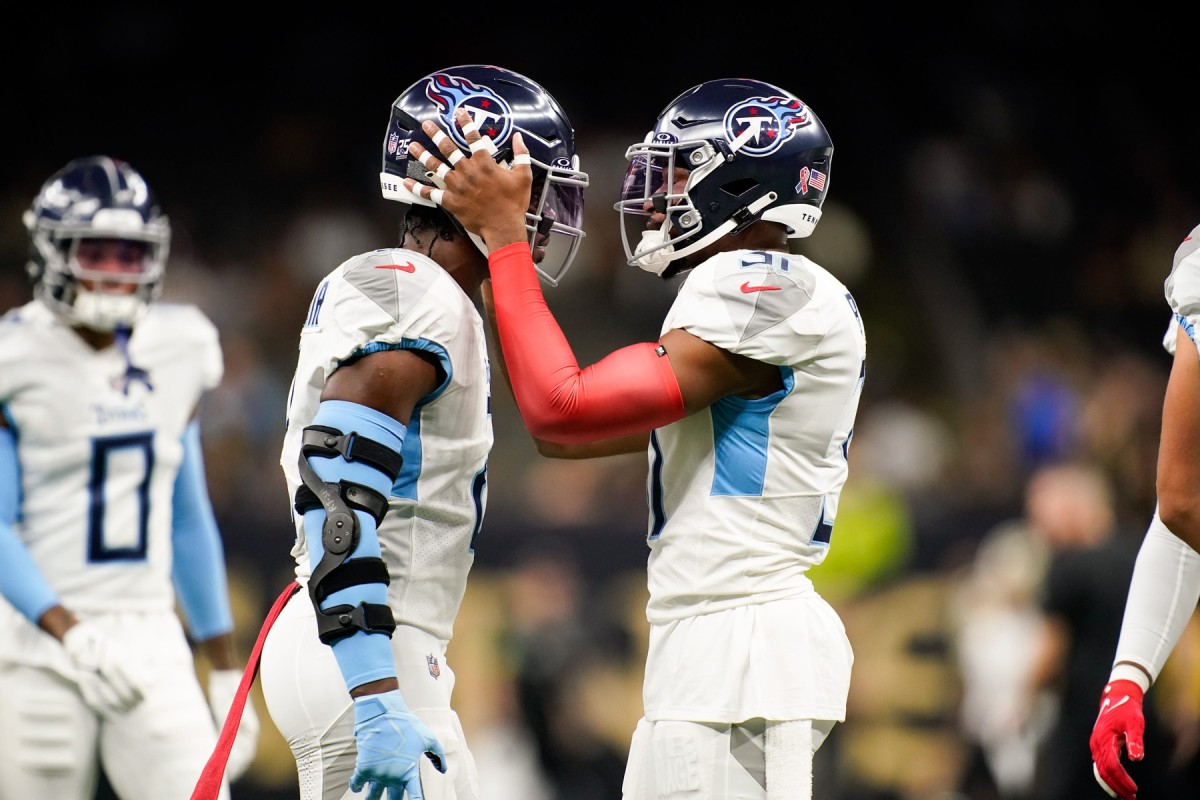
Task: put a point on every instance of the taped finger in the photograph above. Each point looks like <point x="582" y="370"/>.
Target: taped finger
<point x="521" y="158"/>
<point x="455" y="156"/>
<point x="469" y="127"/>
<point x="484" y="143"/>
<point x="438" y="173"/>
<point x="436" y="195"/>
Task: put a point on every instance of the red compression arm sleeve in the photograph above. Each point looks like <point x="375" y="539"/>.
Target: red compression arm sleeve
<point x="631" y="390"/>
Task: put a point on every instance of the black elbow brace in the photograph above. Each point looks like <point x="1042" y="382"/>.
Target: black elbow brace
<point x="340" y="531"/>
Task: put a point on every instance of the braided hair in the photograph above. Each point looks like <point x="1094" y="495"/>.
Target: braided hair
<point x="421" y="218"/>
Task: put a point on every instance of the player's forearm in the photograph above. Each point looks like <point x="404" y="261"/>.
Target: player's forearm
<point x="375" y="687"/>
<point x="354" y="618"/>
<point x="1162" y="596"/>
<point x="507" y="231"/>
<point x="634" y="443"/>
<point x="630" y="391"/>
<point x="623" y="445"/>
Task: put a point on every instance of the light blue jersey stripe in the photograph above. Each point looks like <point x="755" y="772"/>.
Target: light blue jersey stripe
<point x="741" y="433"/>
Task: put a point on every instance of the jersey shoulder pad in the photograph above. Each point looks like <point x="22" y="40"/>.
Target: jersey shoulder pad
<point x="397" y="280"/>
<point x="185" y="318"/>
<point x="15" y="321"/>
<point x="388" y="295"/>
<point x="181" y="322"/>
<point x="736" y="296"/>
<point x="1182" y="288"/>
<point x="185" y="327"/>
<point x="18" y="341"/>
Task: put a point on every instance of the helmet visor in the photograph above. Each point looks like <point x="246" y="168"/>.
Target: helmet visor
<point x="654" y="197"/>
<point x="109" y="264"/>
<point x="555" y="218"/>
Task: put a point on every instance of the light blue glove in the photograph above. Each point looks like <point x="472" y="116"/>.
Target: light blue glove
<point x="391" y="741"/>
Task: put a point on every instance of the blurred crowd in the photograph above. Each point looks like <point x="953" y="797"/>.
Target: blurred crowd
<point x="1009" y="423"/>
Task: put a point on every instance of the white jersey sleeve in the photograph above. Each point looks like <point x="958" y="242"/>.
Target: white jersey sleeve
<point x="1182" y="289"/>
<point x="389" y="299"/>
<point x="760" y="305"/>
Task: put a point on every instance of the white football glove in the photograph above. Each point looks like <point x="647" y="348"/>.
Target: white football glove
<point x="222" y="688"/>
<point x="107" y="679"/>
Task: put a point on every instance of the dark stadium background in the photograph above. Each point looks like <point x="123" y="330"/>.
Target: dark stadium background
<point x="1009" y="183"/>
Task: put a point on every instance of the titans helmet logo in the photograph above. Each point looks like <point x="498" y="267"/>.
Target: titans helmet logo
<point x="759" y="126"/>
<point x="488" y="109"/>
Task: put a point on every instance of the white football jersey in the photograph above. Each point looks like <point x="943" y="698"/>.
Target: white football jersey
<point x="743" y="495"/>
<point x="393" y="298"/>
<point x="1183" y="290"/>
<point x="99" y="447"/>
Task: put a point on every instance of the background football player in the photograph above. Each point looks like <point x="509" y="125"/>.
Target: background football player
<point x="105" y="519"/>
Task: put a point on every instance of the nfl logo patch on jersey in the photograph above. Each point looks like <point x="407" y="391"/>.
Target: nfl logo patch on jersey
<point x="434" y="668"/>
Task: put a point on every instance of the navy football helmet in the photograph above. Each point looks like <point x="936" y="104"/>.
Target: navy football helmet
<point x="95" y="198"/>
<point x="743" y="150"/>
<point x="500" y="102"/>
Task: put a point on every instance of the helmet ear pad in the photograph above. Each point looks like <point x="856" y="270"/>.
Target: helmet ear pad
<point x="727" y="199"/>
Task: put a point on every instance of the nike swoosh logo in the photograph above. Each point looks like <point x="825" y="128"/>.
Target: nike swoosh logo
<point x="1105" y="708"/>
<point x="747" y="288"/>
<point x="406" y="267"/>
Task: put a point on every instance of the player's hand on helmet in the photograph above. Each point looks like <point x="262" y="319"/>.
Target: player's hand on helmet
<point x="1119" y="727"/>
<point x="222" y="688"/>
<point x="107" y="677"/>
<point x="391" y="742"/>
<point x="487" y="198"/>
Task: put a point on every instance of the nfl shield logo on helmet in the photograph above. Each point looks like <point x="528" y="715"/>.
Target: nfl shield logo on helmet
<point x="434" y="668"/>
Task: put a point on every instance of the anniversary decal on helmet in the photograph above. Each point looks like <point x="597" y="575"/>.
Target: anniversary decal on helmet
<point x="760" y="125"/>
<point x="395" y="144"/>
<point x="488" y="110"/>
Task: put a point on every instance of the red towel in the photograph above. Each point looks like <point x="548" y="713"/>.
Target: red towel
<point x="209" y="785"/>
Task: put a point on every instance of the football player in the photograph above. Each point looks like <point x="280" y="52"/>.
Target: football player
<point x="105" y="519"/>
<point x="388" y="433"/>
<point x="745" y="406"/>
<point x="1166" y="579"/>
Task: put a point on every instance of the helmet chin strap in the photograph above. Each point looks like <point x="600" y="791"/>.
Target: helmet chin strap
<point x="654" y="253"/>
